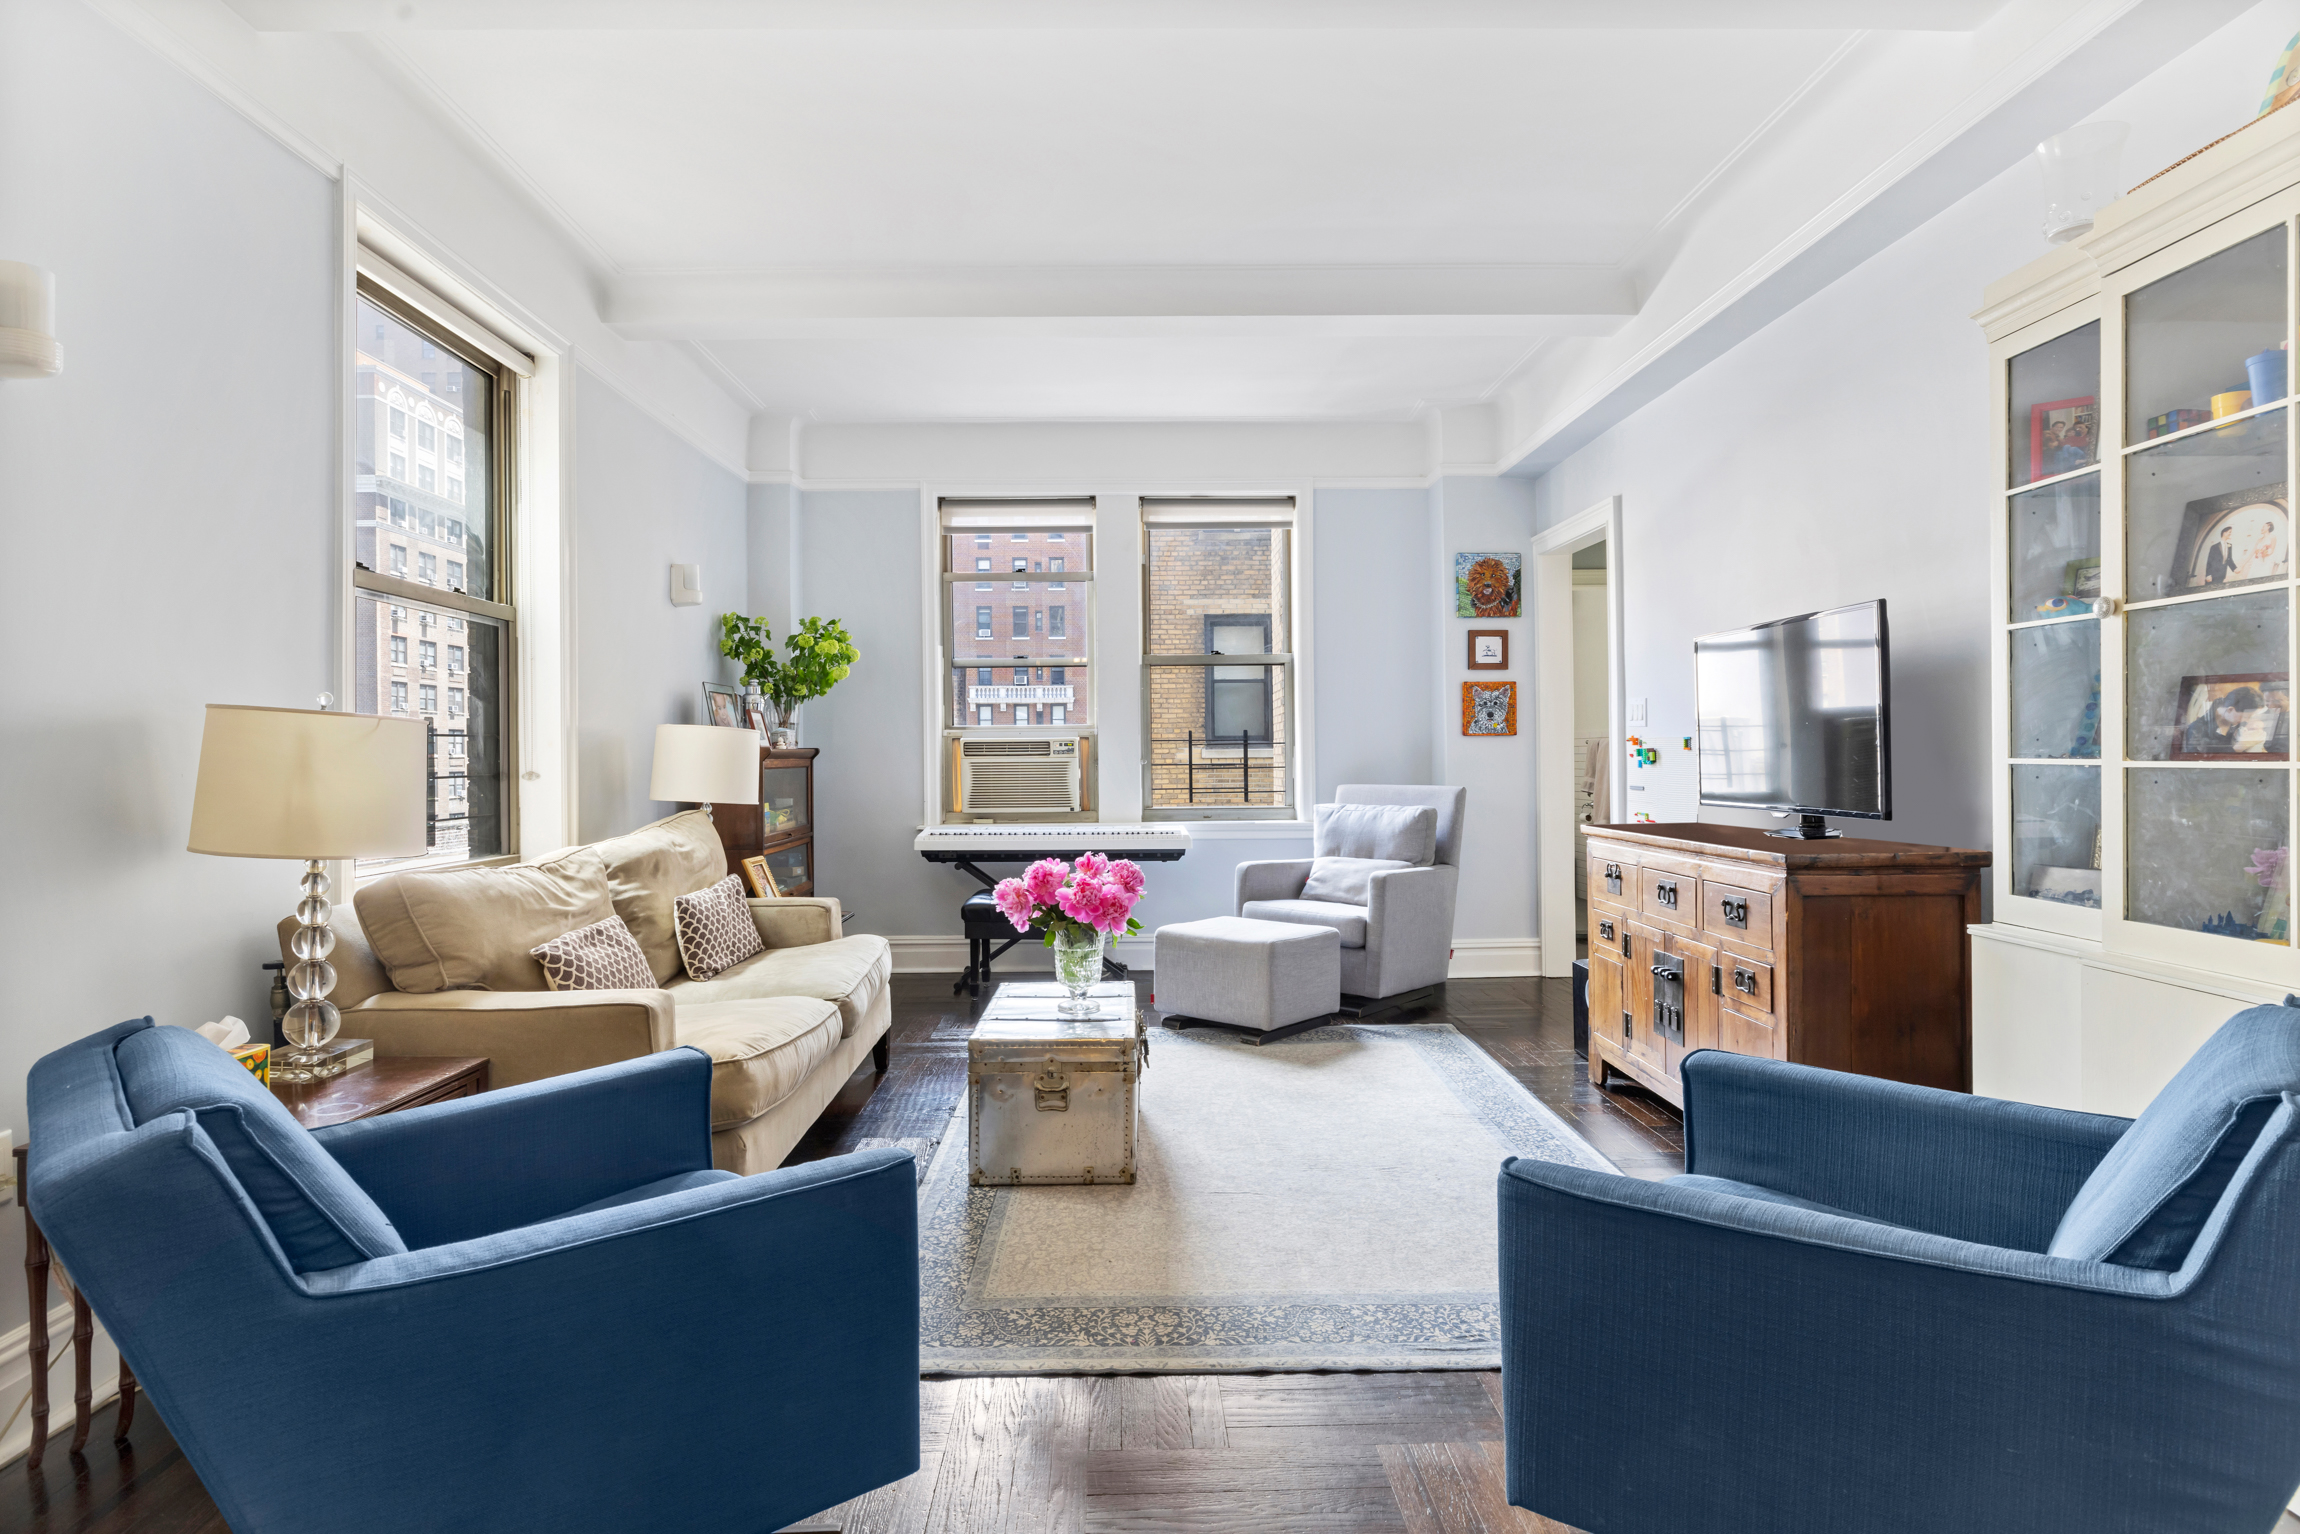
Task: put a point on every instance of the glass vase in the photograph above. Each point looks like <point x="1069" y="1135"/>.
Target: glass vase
<point x="1077" y="965"/>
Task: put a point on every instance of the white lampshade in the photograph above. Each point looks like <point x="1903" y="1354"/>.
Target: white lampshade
<point x="301" y="783"/>
<point x="705" y="764"/>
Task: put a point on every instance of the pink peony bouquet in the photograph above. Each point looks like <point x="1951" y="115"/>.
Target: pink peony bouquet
<point x="1093" y="895"/>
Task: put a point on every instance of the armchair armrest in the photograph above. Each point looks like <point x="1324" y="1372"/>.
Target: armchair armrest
<point x="792" y="921"/>
<point x="1974" y="1168"/>
<point x="1409" y="926"/>
<point x="525" y="1035"/>
<point x="1276" y="879"/>
<point x="548" y="1147"/>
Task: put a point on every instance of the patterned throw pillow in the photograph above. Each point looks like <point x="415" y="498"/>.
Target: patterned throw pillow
<point x="601" y="957"/>
<point x="715" y="928"/>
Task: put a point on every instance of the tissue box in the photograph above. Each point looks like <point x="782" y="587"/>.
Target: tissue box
<point x="258" y="1059"/>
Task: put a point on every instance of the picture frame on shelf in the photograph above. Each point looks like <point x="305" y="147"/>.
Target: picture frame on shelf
<point x="2081" y="580"/>
<point x="2243" y="538"/>
<point x="755" y="715"/>
<point x="1489" y="708"/>
<point x="722" y="705"/>
<point x="2063" y="434"/>
<point x="760" y="878"/>
<point x="2233" y="717"/>
<point x="1488" y="650"/>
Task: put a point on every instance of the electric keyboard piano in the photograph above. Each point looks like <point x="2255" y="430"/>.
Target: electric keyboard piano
<point x="966" y="846"/>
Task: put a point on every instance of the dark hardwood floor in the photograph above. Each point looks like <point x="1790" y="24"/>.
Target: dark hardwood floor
<point x="1270" y="1454"/>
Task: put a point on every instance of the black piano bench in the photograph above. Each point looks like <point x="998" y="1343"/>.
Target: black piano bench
<point x="985" y="925"/>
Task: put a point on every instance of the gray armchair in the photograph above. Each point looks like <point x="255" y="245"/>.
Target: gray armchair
<point x="1399" y="938"/>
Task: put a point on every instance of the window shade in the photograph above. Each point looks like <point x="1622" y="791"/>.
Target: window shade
<point x="1065" y="514"/>
<point x="1205" y="511"/>
<point x="380" y="271"/>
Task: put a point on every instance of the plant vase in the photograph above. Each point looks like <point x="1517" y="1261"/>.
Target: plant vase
<point x="785" y="734"/>
<point x="1078" y="965"/>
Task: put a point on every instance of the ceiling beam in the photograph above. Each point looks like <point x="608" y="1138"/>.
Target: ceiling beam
<point x="1111" y="15"/>
<point x="815" y="303"/>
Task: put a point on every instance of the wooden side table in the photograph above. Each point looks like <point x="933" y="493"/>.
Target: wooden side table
<point x="363" y="1092"/>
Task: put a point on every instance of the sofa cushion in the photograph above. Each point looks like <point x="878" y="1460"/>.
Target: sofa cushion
<point x="1346" y="881"/>
<point x="760" y="1050"/>
<point x="600" y="957"/>
<point x="1348" y="920"/>
<point x="1406" y="833"/>
<point x="653" y="866"/>
<point x="715" y="928"/>
<point x="472" y="929"/>
<point x="320" y="1216"/>
<point x="2151" y="1194"/>
<point x="850" y="971"/>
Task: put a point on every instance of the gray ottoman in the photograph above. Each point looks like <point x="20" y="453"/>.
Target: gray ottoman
<point x="1266" y="978"/>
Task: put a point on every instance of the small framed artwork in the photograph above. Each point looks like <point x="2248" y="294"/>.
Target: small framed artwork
<point x="1489" y="708"/>
<point x="1488" y="585"/>
<point x="2239" y="539"/>
<point x="2063" y="434"/>
<point x="762" y="882"/>
<point x="2235" y="717"/>
<point x="1489" y="649"/>
<point x="2081" y="580"/>
<point x="722" y="705"/>
<point x="755" y="715"/>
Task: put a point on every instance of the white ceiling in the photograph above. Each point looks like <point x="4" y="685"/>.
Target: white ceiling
<point x="1185" y="209"/>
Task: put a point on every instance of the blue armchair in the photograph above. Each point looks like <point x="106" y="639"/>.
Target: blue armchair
<point x="1870" y="1306"/>
<point x="538" y="1308"/>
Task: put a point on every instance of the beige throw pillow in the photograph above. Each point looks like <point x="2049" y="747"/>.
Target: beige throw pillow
<point x="601" y="957"/>
<point x="473" y="929"/>
<point x="649" y="868"/>
<point x="715" y="928"/>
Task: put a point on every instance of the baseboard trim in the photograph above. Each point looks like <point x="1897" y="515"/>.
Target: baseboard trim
<point x="16" y="1381"/>
<point x="1494" y="958"/>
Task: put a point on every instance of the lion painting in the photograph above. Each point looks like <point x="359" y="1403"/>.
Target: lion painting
<point x="1486" y="585"/>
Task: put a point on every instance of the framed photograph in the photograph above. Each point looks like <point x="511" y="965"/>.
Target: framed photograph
<point x="2233" y="718"/>
<point x="1488" y="585"/>
<point x="2238" y="539"/>
<point x="722" y="705"/>
<point x="755" y="715"/>
<point x="1489" y="708"/>
<point x="2063" y="434"/>
<point x="1489" y="649"/>
<point x="762" y="882"/>
<point x="2082" y="579"/>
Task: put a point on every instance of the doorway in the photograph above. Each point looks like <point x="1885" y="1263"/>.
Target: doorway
<point x="1578" y="704"/>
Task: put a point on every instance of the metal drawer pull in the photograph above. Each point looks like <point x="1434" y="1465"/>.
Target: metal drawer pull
<point x="1666" y="894"/>
<point x="1736" y="912"/>
<point x="1625" y="1027"/>
<point x="1716" y="981"/>
<point x="1605" y="930"/>
<point x="1744" y="980"/>
<point x="1613" y="878"/>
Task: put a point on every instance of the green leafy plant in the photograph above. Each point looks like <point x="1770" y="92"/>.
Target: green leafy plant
<point x="815" y="659"/>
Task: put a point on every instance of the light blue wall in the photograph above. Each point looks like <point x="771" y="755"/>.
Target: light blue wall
<point x="1375" y="592"/>
<point x="644" y="501"/>
<point x="773" y="555"/>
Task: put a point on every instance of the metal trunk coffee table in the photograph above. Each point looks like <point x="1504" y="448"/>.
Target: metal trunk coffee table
<point x="1053" y="1098"/>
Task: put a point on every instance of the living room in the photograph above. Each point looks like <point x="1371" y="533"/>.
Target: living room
<point x="1333" y="452"/>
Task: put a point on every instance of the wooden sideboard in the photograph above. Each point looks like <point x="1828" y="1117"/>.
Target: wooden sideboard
<point x="1842" y="953"/>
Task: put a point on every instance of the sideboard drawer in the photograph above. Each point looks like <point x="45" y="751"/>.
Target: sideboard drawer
<point x="1745" y="983"/>
<point x="1612" y="879"/>
<point x="1736" y="912"/>
<point x="1664" y="895"/>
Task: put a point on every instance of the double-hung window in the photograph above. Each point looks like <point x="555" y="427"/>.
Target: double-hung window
<point x="997" y="679"/>
<point x="417" y="356"/>
<point x="1218" y="667"/>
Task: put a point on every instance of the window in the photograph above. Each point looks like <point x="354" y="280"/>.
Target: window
<point x="1218" y="675"/>
<point x="1022" y="567"/>
<point x="982" y="713"/>
<point x="1022" y="537"/>
<point x="1055" y="566"/>
<point x="1054" y="537"/>
<point x="1055" y="617"/>
<point x="982" y="625"/>
<point x="1056" y="714"/>
<point x="1022" y="623"/>
<point x="982" y="565"/>
<point x="468" y="401"/>
<point x="1057" y="677"/>
<point x="982" y="541"/>
<point x="983" y="676"/>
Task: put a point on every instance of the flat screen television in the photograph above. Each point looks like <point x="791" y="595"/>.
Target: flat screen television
<point x="1794" y="717"/>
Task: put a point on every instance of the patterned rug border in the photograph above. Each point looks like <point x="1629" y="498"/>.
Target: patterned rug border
<point x="1131" y="1334"/>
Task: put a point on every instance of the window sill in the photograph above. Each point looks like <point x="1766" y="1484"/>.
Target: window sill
<point x="1240" y="830"/>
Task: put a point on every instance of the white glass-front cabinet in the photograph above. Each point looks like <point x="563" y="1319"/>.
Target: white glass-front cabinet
<point x="2145" y="786"/>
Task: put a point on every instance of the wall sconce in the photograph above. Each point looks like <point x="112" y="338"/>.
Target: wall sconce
<point x="2079" y="176"/>
<point x="28" y="346"/>
<point x="686" y="585"/>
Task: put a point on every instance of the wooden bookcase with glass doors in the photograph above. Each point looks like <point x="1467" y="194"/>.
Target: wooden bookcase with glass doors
<point x="2145" y="784"/>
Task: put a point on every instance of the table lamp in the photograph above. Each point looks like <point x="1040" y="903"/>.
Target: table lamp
<point x="311" y="785"/>
<point x="705" y="764"/>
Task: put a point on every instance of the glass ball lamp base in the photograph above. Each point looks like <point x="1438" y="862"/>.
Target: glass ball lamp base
<point x="313" y="1021"/>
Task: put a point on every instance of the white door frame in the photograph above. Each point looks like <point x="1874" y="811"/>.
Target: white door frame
<point x="1556" y="843"/>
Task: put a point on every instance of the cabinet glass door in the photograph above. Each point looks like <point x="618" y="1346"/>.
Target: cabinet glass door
<point x="783" y="801"/>
<point x="2207" y="641"/>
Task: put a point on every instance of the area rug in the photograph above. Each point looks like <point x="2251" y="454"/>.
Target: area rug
<point x="1326" y="1202"/>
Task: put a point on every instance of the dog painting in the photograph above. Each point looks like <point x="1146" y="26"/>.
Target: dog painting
<point x="1487" y="585"/>
<point x="1489" y="708"/>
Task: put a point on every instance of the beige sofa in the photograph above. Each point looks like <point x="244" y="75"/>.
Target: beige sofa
<point x="436" y="962"/>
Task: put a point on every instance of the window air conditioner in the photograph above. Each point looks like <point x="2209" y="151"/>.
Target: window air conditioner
<point x="1018" y="775"/>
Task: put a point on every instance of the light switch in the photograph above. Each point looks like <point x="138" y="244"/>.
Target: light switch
<point x="1636" y="710"/>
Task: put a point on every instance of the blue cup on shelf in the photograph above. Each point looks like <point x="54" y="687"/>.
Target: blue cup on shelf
<point x="2267" y="373"/>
